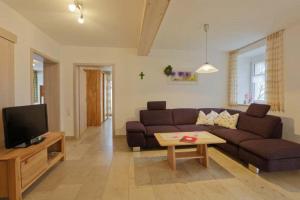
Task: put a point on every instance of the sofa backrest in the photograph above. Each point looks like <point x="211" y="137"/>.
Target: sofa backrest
<point x="267" y="127"/>
<point x="208" y="110"/>
<point x="156" y="117"/>
<point x="178" y="116"/>
<point x="183" y="116"/>
<point x="219" y="110"/>
<point x="232" y="111"/>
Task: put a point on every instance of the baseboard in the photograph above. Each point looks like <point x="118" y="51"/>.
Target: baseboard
<point x="70" y="137"/>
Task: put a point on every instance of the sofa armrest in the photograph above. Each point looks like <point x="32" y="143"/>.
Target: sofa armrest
<point x="135" y="134"/>
<point x="277" y="133"/>
<point x="135" y="127"/>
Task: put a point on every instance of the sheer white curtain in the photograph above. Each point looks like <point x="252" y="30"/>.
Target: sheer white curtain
<point x="274" y="72"/>
<point x="232" y="87"/>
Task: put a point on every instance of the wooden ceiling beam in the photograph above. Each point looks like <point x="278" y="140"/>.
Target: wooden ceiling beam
<point x="153" y="15"/>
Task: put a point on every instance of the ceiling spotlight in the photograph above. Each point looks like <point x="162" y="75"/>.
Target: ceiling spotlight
<point x="81" y="19"/>
<point x="72" y="7"/>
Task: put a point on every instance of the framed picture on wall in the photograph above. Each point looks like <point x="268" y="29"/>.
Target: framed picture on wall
<point x="186" y="76"/>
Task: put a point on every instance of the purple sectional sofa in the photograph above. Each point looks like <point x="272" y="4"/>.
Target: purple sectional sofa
<point x="256" y="140"/>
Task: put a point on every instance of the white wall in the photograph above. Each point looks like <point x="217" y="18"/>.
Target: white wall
<point x="131" y="93"/>
<point x="82" y="101"/>
<point x="291" y="77"/>
<point x="29" y="36"/>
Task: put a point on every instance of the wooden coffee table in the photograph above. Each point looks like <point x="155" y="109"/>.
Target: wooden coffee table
<point x="171" y="140"/>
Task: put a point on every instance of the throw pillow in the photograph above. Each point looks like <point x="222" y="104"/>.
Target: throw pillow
<point x="226" y="120"/>
<point x="208" y="119"/>
<point x="214" y="115"/>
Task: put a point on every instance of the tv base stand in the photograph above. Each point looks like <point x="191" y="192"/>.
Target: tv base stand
<point x="37" y="140"/>
<point x="20" y="168"/>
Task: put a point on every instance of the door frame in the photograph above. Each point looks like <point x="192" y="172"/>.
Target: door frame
<point x="76" y="95"/>
<point x="47" y="61"/>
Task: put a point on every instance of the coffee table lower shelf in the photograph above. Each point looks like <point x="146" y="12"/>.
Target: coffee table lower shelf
<point x="200" y="153"/>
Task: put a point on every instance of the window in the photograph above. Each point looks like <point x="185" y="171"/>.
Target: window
<point x="258" y="81"/>
<point x="251" y="79"/>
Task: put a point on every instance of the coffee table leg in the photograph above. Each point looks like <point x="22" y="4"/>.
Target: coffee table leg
<point x="202" y="150"/>
<point x="171" y="157"/>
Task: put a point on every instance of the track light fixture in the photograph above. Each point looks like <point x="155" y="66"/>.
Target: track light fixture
<point x="72" y="7"/>
<point x="76" y="5"/>
<point x="81" y="19"/>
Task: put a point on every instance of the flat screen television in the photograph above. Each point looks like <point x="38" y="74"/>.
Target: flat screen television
<point x="23" y="125"/>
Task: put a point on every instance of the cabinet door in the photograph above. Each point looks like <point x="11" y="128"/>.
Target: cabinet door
<point x="6" y="79"/>
<point x="32" y="167"/>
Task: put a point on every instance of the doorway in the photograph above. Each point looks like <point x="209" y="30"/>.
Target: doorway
<point x="45" y="86"/>
<point x="93" y="96"/>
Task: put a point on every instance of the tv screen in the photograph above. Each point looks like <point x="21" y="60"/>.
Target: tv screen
<point x="24" y="123"/>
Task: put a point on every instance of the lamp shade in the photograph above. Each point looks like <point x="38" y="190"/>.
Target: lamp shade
<point x="206" y="68"/>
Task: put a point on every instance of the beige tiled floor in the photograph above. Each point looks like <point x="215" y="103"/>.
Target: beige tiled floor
<point x="99" y="167"/>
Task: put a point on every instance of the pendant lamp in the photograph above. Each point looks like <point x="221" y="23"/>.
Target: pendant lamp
<point x="206" y="67"/>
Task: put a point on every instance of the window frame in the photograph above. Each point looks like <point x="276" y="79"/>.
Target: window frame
<point x="253" y="62"/>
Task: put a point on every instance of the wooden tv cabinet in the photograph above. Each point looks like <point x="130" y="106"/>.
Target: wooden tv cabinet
<point x="20" y="168"/>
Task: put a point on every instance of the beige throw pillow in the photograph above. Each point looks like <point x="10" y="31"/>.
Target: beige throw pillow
<point x="208" y="119"/>
<point x="226" y="120"/>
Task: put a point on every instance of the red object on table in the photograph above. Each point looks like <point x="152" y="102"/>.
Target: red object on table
<point x="188" y="139"/>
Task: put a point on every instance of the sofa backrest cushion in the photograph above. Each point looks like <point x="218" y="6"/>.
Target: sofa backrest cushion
<point x="219" y="110"/>
<point x="208" y="110"/>
<point x="258" y="110"/>
<point x="156" y="117"/>
<point x="232" y="112"/>
<point x="156" y="105"/>
<point x="183" y="116"/>
<point x="265" y="126"/>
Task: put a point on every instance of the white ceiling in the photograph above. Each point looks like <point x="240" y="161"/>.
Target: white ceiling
<point x="233" y="23"/>
<point x="116" y="23"/>
<point x="108" y="23"/>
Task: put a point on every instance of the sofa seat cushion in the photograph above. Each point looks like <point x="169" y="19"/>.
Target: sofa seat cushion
<point x="193" y="127"/>
<point x="150" y="130"/>
<point x="235" y="136"/>
<point x="272" y="149"/>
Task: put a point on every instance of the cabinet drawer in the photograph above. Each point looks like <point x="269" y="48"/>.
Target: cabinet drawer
<point x="32" y="167"/>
